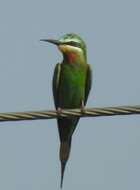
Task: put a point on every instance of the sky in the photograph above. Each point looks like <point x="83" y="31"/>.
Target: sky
<point x="105" y="150"/>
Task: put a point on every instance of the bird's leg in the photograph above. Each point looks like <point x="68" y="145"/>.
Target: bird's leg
<point x="82" y="106"/>
<point x="59" y="110"/>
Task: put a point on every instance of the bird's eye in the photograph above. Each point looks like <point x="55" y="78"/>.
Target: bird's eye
<point x="75" y="44"/>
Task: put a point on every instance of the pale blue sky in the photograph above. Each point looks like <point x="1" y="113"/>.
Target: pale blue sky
<point x="105" y="151"/>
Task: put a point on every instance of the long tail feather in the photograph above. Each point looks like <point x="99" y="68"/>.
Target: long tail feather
<point x="64" y="155"/>
<point x="63" y="164"/>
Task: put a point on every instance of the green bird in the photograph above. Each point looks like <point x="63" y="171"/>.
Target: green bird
<point x="71" y="86"/>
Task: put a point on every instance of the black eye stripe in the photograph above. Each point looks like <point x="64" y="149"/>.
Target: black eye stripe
<point x="75" y="44"/>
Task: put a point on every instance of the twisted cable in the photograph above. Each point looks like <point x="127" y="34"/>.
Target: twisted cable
<point x="65" y="113"/>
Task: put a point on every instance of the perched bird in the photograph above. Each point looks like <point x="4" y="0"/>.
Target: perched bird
<point x="71" y="85"/>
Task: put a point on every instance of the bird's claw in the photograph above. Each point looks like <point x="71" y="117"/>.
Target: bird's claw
<point x="59" y="111"/>
<point x="82" y="106"/>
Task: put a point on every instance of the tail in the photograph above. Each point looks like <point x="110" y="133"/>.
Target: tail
<point x="64" y="155"/>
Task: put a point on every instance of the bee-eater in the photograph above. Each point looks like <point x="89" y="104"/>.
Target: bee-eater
<point x="71" y="85"/>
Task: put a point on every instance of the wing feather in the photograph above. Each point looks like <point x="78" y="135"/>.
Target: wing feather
<point x="56" y="84"/>
<point x="88" y="83"/>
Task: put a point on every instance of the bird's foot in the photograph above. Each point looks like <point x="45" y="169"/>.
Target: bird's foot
<point x="82" y="106"/>
<point x="59" y="111"/>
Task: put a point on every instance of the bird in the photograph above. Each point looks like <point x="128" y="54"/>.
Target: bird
<point x="71" y="84"/>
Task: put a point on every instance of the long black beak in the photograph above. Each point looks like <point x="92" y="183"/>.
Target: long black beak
<point x="56" y="42"/>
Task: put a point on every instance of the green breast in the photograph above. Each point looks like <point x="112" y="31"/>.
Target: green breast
<point x="72" y="85"/>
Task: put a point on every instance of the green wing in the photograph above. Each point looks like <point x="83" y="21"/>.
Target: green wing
<point x="56" y="83"/>
<point x="88" y="83"/>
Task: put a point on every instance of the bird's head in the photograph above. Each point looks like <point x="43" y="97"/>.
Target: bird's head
<point x="71" y="45"/>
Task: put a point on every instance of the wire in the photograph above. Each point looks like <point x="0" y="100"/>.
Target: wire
<point x="65" y="113"/>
